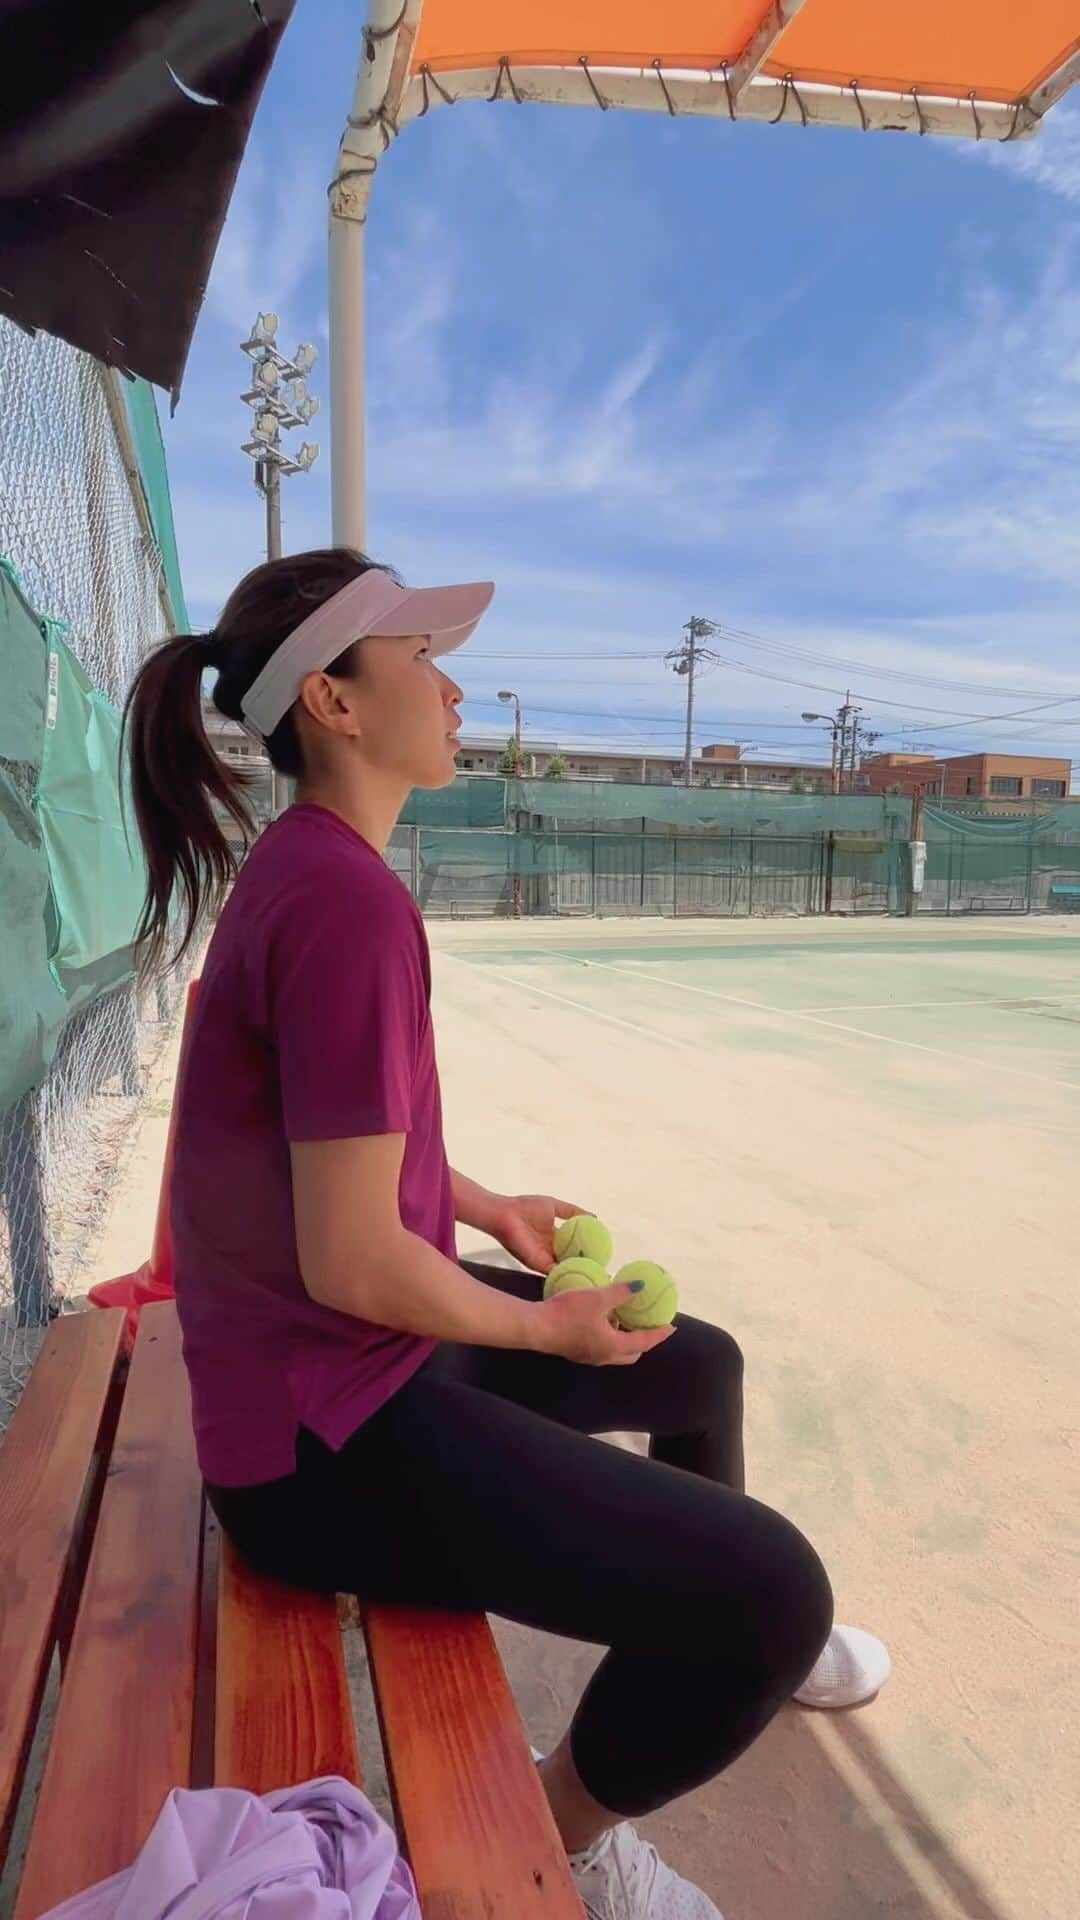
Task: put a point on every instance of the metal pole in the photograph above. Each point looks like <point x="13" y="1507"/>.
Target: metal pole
<point x="347" y="438"/>
<point x="517" y="776"/>
<point x="271" y="486"/>
<point x="691" y="666"/>
<point x="835" y="758"/>
<point x="269" y="481"/>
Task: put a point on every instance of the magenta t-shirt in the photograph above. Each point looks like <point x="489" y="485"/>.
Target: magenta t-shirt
<point x="312" y="1022"/>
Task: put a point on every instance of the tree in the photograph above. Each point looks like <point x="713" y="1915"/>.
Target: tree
<point x="556" y="768"/>
<point x="507" y="763"/>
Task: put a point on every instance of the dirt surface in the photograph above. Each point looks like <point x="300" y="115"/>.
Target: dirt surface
<point x="856" y="1146"/>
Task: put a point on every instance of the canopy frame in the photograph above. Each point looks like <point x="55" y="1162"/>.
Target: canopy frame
<point x="388" y="95"/>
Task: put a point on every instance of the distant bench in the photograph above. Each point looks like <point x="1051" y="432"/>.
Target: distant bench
<point x="1066" y="890"/>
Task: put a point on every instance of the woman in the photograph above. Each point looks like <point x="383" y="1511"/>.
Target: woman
<point x="371" y="1416"/>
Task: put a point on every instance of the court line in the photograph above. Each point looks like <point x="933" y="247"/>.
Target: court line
<point x="596" y="1013"/>
<point x="817" y="1020"/>
<point x="1014" y="1000"/>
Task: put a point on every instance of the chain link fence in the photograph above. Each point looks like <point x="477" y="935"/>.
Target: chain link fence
<point x="73" y="522"/>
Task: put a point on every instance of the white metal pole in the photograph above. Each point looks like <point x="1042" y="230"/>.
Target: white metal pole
<point x="347" y="423"/>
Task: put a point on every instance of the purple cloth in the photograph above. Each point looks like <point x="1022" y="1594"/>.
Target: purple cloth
<point x="315" y="1852"/>
<point x="312" y="1022"/>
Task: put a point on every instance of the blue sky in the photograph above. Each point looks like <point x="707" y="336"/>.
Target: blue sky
<point x="819" y="387"/>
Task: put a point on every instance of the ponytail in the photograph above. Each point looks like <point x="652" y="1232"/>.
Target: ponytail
<point x="175" y="778"/>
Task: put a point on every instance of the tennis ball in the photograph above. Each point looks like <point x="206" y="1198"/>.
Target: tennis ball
<point x="655" y="1305"/>
<point x="571" y="1276"/>
<point x="583" y="1238"/>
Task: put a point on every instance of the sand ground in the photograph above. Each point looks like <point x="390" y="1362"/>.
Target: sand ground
<point x="857" y="1146"/>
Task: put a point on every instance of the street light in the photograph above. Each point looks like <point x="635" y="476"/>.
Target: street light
<point x="837" y="726"/>
<point x="509" y="699"/>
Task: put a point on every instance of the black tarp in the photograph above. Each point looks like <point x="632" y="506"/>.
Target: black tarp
<point x="122" y="129"/>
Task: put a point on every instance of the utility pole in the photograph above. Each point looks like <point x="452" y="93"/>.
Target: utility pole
<point x="506" y="695"/>
<point x="687" y="660"/>
<point x="691" y="669"/>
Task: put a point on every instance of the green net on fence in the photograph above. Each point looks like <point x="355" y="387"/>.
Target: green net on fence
<point x="601" y="803"/>
<point x="71" y="881"/>
<point x="489" y="846"/>
<point x="1016" y="862"/>
<point x="467" y="803"/>
<point x="96" y="869"/>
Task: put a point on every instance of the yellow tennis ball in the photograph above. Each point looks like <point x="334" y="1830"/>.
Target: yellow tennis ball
<point x="570" y="1276"/>
<point x="583" y="1238"/>
<point x="657" y="1303"/>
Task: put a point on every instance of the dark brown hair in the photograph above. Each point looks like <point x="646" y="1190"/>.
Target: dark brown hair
<point x="176" y="776"/>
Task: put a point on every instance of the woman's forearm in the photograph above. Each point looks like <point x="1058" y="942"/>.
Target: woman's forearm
<point x="474" y="1205"/>
<point x="407" y="1284"/>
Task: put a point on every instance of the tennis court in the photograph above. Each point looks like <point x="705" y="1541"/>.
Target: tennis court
<point x="858" y="1146"/>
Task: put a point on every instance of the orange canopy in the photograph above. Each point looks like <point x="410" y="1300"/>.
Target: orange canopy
<point x="996" y="50"/>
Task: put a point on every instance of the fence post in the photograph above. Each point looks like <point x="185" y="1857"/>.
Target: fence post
<point x="750" y="887"/>
<point x="1030" y="874"/>
<point x="23" y="1191"/>
<point x="674" y="876"/>
<point x="642" y="896"/>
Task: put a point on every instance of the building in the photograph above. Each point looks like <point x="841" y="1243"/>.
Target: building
<point x="715" y="766"/>
<point x="968" y="776"/>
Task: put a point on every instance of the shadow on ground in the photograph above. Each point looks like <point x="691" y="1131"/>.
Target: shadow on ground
<point x="811" y="1824"/>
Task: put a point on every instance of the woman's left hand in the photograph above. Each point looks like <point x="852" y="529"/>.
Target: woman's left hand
<point x="525" y="1226"/>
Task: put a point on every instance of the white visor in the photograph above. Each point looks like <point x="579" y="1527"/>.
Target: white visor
<point x="374" y="603"/>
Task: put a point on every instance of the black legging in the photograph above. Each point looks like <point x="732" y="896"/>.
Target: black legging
<point x="477" y="1487"/>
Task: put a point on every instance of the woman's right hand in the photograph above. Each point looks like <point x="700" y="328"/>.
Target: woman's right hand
<point x="579" y="1325"/>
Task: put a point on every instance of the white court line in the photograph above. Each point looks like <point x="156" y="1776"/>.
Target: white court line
<point x="817" y="1020"/>
<point x="1012" y="1000"/>
<point x="595" y="1013"/>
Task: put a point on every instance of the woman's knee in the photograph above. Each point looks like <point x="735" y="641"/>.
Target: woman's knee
<point x="796" y="1616"/>
<point x="710" y="1366"/>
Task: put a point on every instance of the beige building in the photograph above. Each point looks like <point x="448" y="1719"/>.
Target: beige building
<point x="718" y="765"/>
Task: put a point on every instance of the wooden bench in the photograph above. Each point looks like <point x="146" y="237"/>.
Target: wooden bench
<point x="181" y="1667"/>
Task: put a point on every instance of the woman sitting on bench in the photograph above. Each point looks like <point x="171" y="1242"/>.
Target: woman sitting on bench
<point x="373" y="1417"/>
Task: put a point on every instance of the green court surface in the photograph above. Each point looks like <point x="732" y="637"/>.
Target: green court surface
<point x="1003" y="1000"/>
<point x="857" y="1145"/>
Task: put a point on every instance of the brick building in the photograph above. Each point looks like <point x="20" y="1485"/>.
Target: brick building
<point x="968" y="776"/>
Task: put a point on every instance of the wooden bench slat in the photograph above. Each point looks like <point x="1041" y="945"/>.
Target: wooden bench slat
<point x="283" y="1711"/>
<point x="123" y="1733"/>
<point x="45" y="1461"/>
<point x="471" y="1811"/>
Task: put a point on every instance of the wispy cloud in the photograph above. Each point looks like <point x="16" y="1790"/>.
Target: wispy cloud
<point x="275" y="232"/>
<point x="1050" y="159"/>
<point x="630" y="403"/>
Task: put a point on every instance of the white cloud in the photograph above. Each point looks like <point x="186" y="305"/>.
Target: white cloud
<point x="274" y="234"/>
<point x="1050" y="159"/>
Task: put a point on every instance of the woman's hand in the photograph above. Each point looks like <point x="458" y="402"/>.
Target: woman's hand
<point x="581" y="1326"/>
<point x="524" y="1223"/>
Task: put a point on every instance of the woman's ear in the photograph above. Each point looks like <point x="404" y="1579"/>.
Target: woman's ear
<point x="326" y="701"/>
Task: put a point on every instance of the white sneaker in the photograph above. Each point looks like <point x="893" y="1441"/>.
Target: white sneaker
<point x="853" y="1667"/>
<point x="622" y="1877"/>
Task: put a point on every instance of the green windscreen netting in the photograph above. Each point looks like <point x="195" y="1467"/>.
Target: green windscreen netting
<point x="70" y="882"/>
<point x="490" y="846"/>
